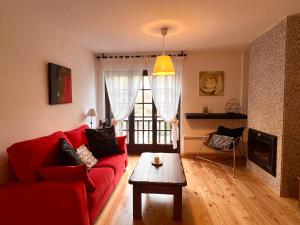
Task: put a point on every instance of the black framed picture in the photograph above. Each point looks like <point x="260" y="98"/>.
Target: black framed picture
<point x="60" y="84"/>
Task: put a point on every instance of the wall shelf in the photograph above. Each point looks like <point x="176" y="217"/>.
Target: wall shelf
<point x="230" y="116"/>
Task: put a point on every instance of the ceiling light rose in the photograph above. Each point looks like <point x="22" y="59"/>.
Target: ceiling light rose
<point x="163" y="64"/>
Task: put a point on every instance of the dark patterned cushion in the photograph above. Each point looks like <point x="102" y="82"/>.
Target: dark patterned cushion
<point x="221" y="142"/>
<point x="235" y="132"/>
<point x="102" y="142"/>
<point x="69" y="156"/>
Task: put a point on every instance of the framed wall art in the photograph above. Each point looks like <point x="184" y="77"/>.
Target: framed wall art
<point x="211" y="83"/>
<point x="60" y="84"/>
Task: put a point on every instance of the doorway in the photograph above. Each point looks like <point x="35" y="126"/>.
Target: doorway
<point x="145" y="129"/>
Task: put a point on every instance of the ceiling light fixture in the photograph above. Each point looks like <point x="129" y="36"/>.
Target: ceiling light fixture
<point x="163" y="65"/>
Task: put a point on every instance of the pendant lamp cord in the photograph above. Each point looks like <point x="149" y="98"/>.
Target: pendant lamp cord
<point x="163" y="44"/>
<point x="164" y="31"/>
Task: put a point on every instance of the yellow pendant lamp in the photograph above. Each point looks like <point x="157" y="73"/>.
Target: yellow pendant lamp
<point x="163" y="64"/>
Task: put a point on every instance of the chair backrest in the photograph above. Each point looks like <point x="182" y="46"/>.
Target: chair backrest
<point x="236" y="133"/>
<point x="231" y="132"/>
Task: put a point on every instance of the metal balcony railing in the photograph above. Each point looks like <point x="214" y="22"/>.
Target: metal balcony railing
<point x="143" y="131"/>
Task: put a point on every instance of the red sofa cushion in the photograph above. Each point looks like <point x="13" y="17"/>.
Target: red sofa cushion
<point x="27" y="156"/>
<point x="103" y="179"/>
<point x="67" y="173"/>
<point x="121" y="140"/>
<point x="113" y="161"/>
<point x="77" y="136"/>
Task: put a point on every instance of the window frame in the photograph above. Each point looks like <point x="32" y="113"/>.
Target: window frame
<point x="140" y="148"/>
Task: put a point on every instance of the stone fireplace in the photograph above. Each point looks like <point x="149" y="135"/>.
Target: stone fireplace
<point x="262" y="150"/>
<point x="273" y="105"/>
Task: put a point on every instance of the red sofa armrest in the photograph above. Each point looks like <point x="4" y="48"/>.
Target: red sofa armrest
<point x="126" y="154"/>
<point x="123" y="147"/>
<point x="47" y="203"/>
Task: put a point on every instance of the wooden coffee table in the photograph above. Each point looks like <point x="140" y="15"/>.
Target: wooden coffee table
<point x="166" y="179"/>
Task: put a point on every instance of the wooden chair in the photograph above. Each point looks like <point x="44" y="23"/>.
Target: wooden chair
<point x="234" y="147"/>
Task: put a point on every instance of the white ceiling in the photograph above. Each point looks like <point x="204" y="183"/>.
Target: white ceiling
<point x="133" y="25"/>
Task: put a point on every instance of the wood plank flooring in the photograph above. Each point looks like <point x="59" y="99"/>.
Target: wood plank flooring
<point x="211" y="197"/>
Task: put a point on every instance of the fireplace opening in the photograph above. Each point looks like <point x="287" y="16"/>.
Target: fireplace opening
<point x="262" y="150"/>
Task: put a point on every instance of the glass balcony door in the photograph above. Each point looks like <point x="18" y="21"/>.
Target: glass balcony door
<point x="145" y="129"/>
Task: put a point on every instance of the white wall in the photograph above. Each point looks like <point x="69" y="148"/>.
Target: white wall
<point x="26" y="46"/>
<point x="229" y="61"/>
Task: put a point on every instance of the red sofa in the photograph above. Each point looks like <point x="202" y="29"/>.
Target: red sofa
<point x="27" y="200"/>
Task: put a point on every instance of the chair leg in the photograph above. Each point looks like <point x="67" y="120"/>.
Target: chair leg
<point x="243" y="150"/>
<point x="234" y="162"/>
<point x="234" y="158"/>
<point x="239" y="151"/>
<point x="200" y="150"/>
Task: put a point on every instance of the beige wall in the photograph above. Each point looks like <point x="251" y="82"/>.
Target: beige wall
<point x="26" y="48"/>
<point x="229" y="61"/>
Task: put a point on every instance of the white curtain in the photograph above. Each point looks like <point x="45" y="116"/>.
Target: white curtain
<point x="166" y="93"/>
<point x="123" y="77"/>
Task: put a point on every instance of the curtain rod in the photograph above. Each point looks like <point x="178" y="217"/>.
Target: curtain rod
<point x="136" y="55"/>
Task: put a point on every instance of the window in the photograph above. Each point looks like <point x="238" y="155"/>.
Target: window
<point x="145" y="129"/>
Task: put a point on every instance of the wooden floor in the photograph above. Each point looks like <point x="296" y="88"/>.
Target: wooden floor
<point x="211" y="197"/>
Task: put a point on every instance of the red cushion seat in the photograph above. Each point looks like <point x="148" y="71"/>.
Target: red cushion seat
<point x="68" y="173"/>
<point x="102" y="178"/>
<point x="113" y="161"/>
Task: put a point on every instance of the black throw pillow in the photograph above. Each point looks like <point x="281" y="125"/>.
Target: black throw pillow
<point x="68" y="154"/>
<point x="235" y="132"/>
<point x="102" y="142"/>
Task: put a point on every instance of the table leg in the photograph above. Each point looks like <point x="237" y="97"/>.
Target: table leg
<point x="137" y="201"/>
<point x="177" y="209"/>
